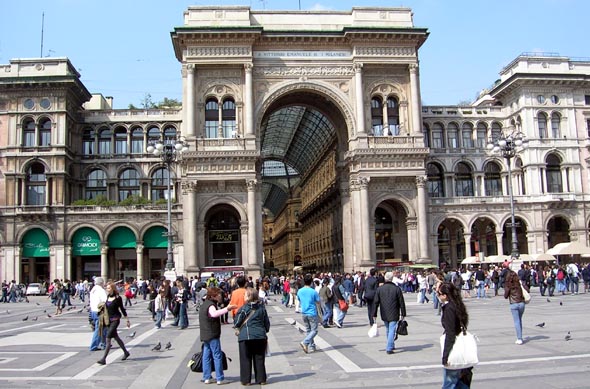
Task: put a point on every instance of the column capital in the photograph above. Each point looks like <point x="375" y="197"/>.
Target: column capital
<point x="364" y="182"/>
<point x="188" y="186"/>
<point x="251" y="184"/>
<point x="104" y="249"/>
<point x="413" y="68"/>
<point x="421" y="181"/>
<point x="191" y="67"/>
<point x="248" y="67"/>
<point x="357" y="67"/>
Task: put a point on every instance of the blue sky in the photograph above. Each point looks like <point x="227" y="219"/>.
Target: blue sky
<point x="123" y="48"/>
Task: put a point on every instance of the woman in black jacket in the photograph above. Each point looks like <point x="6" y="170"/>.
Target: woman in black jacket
<point x="253" y="323"/>
<point x="454" y="320"/>
<point x="116" y="310"/>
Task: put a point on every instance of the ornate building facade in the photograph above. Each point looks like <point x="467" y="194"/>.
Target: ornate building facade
<point x="308" y="146"/>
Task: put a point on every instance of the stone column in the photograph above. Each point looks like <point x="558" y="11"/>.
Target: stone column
<point x="422" y="217"/>
<point x="415" y="101"/>
<point x="68" y="262"/>
<point x="189" y="221"/>
<point x="190" y="100"/>
<point x="499" y="242"/>
<point x="139" y="255"/>
<point x="104" y="250"/>
<point x="467" y="237"/>
<point x="355" y="236"/>
<point x="347" y="227"/>
<point x="367" y="240"/>
<point x="360" y="105"/>
<point x="251" y="184"/>
<point x="544" y="188"/>
<point x="249" y="101"/>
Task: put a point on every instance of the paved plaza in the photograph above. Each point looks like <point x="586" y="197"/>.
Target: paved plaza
<point x="53" y="351"/>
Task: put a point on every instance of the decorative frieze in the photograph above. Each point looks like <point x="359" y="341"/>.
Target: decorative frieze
<point x="219" y="51"/>
<point x="298" y="71"/>
<point x="385" y="51"/>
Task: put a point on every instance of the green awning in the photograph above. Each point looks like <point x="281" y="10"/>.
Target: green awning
<point x="35" y="244"/>
<point x="155" y="238"/>
<point x="85" y="242"/>
<point x="122" y="238"/>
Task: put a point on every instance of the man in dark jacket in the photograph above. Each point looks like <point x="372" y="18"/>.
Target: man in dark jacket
<point x="390" y="299"/>
<point x="369" y="296"/>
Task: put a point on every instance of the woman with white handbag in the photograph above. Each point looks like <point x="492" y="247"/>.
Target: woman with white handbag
<point x="459" y="351"/>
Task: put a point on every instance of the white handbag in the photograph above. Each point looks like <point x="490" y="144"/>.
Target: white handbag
<point x="464" y="352"/>
<point x="526" y="295"/>
<point x="374" y="331"/>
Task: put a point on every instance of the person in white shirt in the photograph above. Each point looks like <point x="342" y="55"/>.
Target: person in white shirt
<point x="97" y="295"/>
<point x="573" y="272"/>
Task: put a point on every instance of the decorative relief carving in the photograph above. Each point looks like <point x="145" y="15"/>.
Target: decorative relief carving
<point x="357" y="67"/>
<point x="251" y="184"/>
<point x="364" y="182"/>
<point x="421" y="181"/>
<point x="385" y="51"/>
<point x="298" y="71"/>
<point x="221" y="51"/>
<point x="188" y="186"/>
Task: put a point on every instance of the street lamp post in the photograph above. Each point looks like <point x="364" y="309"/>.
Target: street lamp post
<point x="508" y="146"/>
<point x="169" y="153"/>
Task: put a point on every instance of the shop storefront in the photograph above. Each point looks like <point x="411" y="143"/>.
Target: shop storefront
<point x="35" y="256"/>
<point x="85" y="254"/>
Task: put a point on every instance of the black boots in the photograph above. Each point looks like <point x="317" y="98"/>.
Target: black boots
<point x="126" y="353"/>
<point x="122" y="345"/>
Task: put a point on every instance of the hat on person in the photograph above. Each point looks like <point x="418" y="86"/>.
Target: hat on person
<point x="389" y="276"/>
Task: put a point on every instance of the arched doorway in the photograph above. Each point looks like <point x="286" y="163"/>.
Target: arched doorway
<point x="391" y="234"/>
<point x="222" y="233"/>
<point x="122" y="256"/>
<point x="35" y="256"/>
<point x="558" y="231"/>
<point x="85" y="254"/>
<point x="483" y="237"/>
<point x="451" y="243"/>
<point x="303" y="133"/>
<point x="155" y="245"/>
<point x="521" y="234"/>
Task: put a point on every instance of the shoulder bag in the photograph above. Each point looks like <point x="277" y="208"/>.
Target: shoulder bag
<point x="526" y="295"/>
<point x="237" y="330"/>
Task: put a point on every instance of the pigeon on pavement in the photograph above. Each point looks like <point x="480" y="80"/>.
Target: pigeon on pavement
<point x="157" y="347"/>
<point x="168" y="346"/>
<point x="25" y="318"/>
<point x="131" y="335"/>
<point x="48" y="315"/>
<point x="561" y="303"/>
<point x="568" y="336"/>
<point x="37" y="303"/>
<point x="34" y="319"/>
<point x="548" y="300"/>
<point x="541" y="325"/>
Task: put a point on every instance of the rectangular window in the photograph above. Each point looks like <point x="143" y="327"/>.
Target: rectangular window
<point x="44" y="138"/>
<point x="229" y="128"/>
<point x="29" y="138"/>
<point x="437" y="140"/>
<point x="493" y="187"/>
<point x="104" y="147"/>
<point x="453" y="141"/>
<point x="434" y="188"/>
<point x="211" y="129"/>
<point x="137" y="146"/>
<point x="88" y="147"/>
<point x="121" y="146"/>
<point x="467" y="140"/>
<point x="36" y="195"/>
<point x="587" y="99"/>
<point x="464" y="188"/>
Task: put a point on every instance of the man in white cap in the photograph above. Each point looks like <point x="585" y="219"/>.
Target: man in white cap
<point x="393" y="308"/>
<point x="97" y="295"/>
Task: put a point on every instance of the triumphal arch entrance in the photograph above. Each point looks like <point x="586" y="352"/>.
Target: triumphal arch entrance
<point x="309" y="152"/>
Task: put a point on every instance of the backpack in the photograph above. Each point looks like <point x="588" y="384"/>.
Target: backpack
<point x="560" y="275"/>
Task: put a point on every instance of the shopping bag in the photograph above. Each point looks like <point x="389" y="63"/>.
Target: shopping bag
<point x="374" y="331"/>
<point x="267" y="353"/>
<point x="464" y="352"/>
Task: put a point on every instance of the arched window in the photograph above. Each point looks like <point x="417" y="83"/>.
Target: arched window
<point x="128" y="184"/>
<point x="160" y="185"/>
<point x="211" y="118"/>
<point x="377" y="116"/>
<point x="120" y="141"/>
<point x="467" y="135"/>
<point x="104" y="141"/>
<point x="45" y="132"/>
<point x="228" y="118"/>
<point x="556" y="125"/>
<point x="492" y="179"/>
<point x="170" y="135"/>
<point x="393" y="116"/>
<point x="463" y="180"/>
<point x="154" y="135"/>
<point x="435" y="180"/>
<point x="438" y="141"/>
<point x="553" y="170"/>
<point x="383" y="235"/>
<point x="35" y="184"/>
<point x="496" y="131"/>
<point x="29" y="133"/>
<point x="88" y="139"/>
<point x="96" y="184"/>
<point x="482" y="130"/>
<point x="542" y="123"/>
<point x="453" y="136"/>
<point x="137" y="141"/>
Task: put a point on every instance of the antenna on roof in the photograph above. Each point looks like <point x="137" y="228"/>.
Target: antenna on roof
<point x="42" y="26"/>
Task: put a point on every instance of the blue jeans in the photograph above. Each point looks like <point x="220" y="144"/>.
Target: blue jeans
<point x="96" y="339"/>
<point x="574" y="284"/>
<point x="159" y="317"/>
<point x="451" y="379"/>
<point x="517" y="310"/>
<point x="390" y="330"/>
<point x="435" y="301"/>
<point x="327" y="308"/>
<point x="182" y="316"/>
<point x="311" y="329"/>
<point x="212" y="352"/>
<point x="481" y="290"/>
